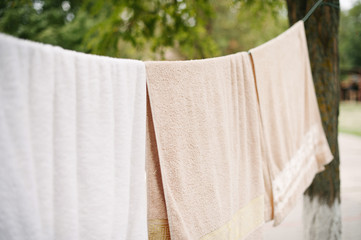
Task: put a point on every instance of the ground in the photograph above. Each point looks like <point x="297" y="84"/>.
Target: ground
<point x="350" y="118"/>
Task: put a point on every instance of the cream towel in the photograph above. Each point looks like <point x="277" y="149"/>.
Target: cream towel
<point x="72" y="144"/>
<point x="203" y="150"/>
<point x="294" y="139"/>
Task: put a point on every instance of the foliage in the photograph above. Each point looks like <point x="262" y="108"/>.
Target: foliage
<point x="350" y="38"/>
<point x="45" y="21"/>
<point x="157" y="24"/>
<point x="242" y="25"/>
<point x="146" y="29"/>
<point x="196" y="29"/>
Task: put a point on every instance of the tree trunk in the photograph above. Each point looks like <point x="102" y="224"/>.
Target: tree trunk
<point x="321" y="213"/>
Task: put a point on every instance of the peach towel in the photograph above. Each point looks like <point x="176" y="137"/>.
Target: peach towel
<point x="294" y="139"/>
<point x="204" y="159"/>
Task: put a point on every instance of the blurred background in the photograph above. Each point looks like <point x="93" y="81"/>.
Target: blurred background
<point x="192" y="29"/>
<point x="179" y="29"/>
<point x="350" y="66"/>
<point x="156" y="29"/>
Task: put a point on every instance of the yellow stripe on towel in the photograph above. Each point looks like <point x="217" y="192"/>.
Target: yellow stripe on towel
<point x="244" y="222"/>
<point x="158" y="229"/>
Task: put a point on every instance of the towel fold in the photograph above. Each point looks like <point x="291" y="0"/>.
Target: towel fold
<point x="71" y="144"/>
<point x="204" y="167"/>
<point x="294" y="139"/>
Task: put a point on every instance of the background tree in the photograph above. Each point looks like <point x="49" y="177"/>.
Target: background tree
<point x="45" y="21"/>
<point x="192" y="28"/>
<point x="322" y="217"/>
<point x="350" y="39"/>
<point x="146" y="29"/>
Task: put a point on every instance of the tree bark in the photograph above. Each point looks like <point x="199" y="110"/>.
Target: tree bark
<point x="322" y="217"/>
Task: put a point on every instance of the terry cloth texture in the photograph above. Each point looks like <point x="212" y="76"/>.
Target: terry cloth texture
<point x="294" y="139"/>
<point x="204" y="165"/>
<point x="72" y="144"/>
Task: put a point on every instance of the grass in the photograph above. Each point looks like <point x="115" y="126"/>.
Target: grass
<point x="350" y="118"/>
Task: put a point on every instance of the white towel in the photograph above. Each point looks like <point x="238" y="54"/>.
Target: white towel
<point x="72" y="144"/>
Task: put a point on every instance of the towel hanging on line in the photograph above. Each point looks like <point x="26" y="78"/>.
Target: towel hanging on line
<point x="71" y="145"/>
<point x="39" y="106"/>
<point x="215" y="133"/>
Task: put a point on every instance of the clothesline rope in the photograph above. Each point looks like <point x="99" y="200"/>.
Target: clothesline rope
<point x="317" y="4"/>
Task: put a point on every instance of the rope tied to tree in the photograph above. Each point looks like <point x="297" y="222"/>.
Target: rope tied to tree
<point x="317" y="4"/>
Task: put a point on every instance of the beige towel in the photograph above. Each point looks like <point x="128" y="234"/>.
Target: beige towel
<point x="293" y="135"/>
<point x="204" y="163"/>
